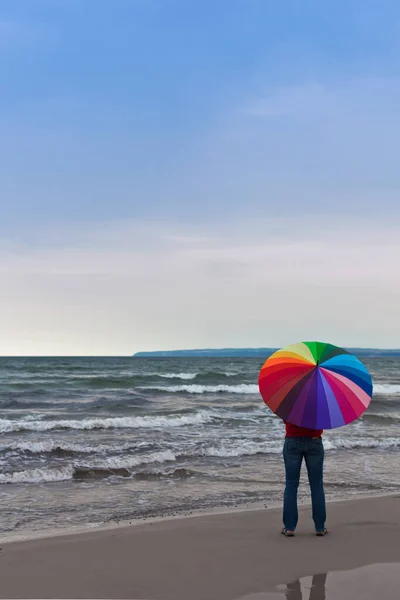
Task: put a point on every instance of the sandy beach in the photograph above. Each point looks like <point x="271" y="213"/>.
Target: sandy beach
<point x="226" y="556"/>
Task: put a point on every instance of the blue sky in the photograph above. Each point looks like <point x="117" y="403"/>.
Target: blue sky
<point x="203" y="124"/>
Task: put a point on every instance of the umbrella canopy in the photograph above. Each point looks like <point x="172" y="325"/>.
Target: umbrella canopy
<point x="315" y="385"/>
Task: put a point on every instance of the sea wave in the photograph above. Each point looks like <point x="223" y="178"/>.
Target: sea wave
<point x="385" y="416"/>
<point x="129" y="375"/>
<point x="152" y="475"/>
<point x="7" y="425"/>
<point x="243" y="388"/>
<point x="178" y="473"/>
<point x="386" y="389"/>
<point x="204" y="416"/>
<point x="350" y="444"/>
<point x="244" y="448"/>
<point x="231" y="449"/>
<point x="199" y="375"/>
<point x="205" y="375"/>
<point x="127" y="466"/>
<point x="174" y="375"/>
<point x="60" y="448"/>
<point x="128" y="462"/>
<point x="107" y="467"/>
<point x="33" y="417"/>
<point x="45" y="475"/>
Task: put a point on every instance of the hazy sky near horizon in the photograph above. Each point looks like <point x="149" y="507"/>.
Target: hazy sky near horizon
<point x="198" y="173"/>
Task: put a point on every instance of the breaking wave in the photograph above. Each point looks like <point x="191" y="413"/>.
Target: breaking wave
<point x="45" y="475"/>
<point x="243" y="388"/>
<point x="60" y="448"/>
<point x="107" y="467"/>
<point x="125" y="466"/>
<point x="350" y="444"/>
<point x="250" y="448"/>
<point x="175" y="375"/>
<point x="120" y="462"/>
<point x="386" y="389"/>
<point x="245" y="448"/>
<point x="7" y="425"/>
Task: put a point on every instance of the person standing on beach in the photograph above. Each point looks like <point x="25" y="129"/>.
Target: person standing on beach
<point x="303" y="443"/>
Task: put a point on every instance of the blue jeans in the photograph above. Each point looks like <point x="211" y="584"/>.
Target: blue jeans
<point x="312" y="450"/>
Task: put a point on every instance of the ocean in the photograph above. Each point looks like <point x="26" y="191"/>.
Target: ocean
<point x="87" y="441"/>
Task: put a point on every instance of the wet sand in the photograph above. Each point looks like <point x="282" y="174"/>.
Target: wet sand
<point x="227" y="556"/>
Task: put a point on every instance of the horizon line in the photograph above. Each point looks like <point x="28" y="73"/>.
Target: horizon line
<point x="208" y="349"/>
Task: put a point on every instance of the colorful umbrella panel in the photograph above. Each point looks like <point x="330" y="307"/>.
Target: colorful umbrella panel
<point x="315" y="385"/>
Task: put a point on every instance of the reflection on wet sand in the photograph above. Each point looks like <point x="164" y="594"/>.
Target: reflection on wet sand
<point x="307" y="588"/>
<point x="372" y="582"/>
<point x="316" y="592"/>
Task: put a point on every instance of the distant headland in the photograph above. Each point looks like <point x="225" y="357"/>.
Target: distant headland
<point x="249" y="352"/>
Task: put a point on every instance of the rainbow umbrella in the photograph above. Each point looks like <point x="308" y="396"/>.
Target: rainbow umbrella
<point x="315" y="385"/>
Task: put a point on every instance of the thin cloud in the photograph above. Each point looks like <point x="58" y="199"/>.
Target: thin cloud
<point x="292" y="101"/>
<point x="357" y="97"/>
<point x="261" y="283"/>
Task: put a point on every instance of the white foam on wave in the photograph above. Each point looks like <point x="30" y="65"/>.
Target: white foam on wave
<point x="7" y="426"/>
<point x="232" y="449"/>
<point x="350" y="444"/>
<point x="38" y="475"/>
<point x="177" y="375"/>
<point x="45" y="446"/>
<point x="392" y="416"/>
<point x="33" y="417"/>
<point x="227" y="449"/>
<point x="124" y="374"/>
<point x="117" y="462"/>
<point x="243" y="388"/>
<point x="183" y="375"/>
<point x="386" y="389"/>
<point x="244" y="448"/>
<point x="41" y="446"/>
<point x="100" y="375"/>
<point x="49" y="475"/>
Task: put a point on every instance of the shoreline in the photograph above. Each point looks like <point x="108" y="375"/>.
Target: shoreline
<point x="221" y="556"/>
<point x="246" y="507"/>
